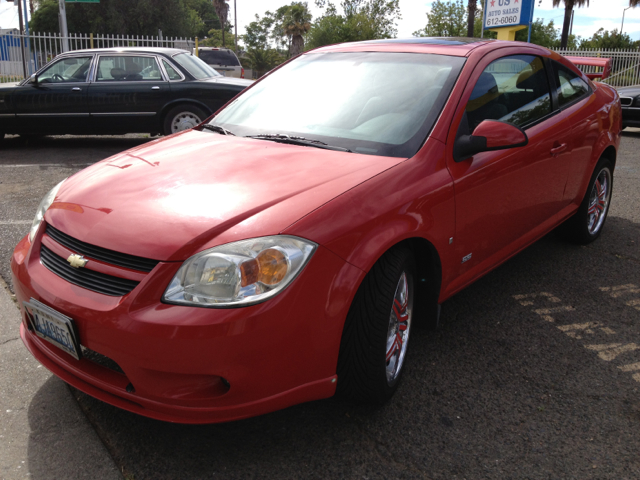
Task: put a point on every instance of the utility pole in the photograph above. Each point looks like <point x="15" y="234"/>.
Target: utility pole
<point x="623" y="12"/>
<point x="22" y="40"/>
<point x="235" y="19"/>
<point x="62" y="17"/>
<point x="571" y="27"/>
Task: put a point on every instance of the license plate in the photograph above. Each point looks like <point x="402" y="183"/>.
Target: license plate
<point x="53" y="327"/>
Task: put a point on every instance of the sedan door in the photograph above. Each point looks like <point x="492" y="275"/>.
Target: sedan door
<point x="503" y="197"/>
<point x="55" y="101"/>
<point x="128" y="94"/>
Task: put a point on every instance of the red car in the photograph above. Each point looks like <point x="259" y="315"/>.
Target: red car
<point x="281" y="252"/>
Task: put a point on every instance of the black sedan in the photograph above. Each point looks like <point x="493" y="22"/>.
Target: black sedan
<point x="630" y="99"/>
<point x="116" y="91"/>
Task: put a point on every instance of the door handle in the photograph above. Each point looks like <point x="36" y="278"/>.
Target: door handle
<point x="155" y="88"/>
<point x="76" y="89"/>
<point x="559" y="149"/>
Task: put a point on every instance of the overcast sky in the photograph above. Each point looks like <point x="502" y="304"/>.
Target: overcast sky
<point x="600" y="13"/>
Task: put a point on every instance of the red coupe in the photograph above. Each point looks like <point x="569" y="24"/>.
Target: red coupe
<point x="281" y="251"/>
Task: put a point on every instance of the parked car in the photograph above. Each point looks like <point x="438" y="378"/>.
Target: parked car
<point x="223" y="60"/>
<point x="630" y="99"/>
<point x="116" y="91"/>
<point x="283" y="251"/>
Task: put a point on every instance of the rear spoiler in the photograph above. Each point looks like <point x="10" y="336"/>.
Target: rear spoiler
<point x="605" y="63"/>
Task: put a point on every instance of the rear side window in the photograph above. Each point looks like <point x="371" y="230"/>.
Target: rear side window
<point x="512" y="89"/>
<point x="570" y="86"/>
<point x="171" y="72"/>
<point x="225" y="58"/>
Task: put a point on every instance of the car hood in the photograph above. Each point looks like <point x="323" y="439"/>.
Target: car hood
<point x="173" y="197"/>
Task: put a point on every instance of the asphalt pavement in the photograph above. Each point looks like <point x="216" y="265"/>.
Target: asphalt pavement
<point x="535" y="372"/>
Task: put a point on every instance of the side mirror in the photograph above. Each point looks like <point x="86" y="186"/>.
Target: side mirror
<point x="488" y="136"/>
<point x="33" y="79"/>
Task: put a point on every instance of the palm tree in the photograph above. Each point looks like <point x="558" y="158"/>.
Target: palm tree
<point x="222" y="10"/>
<point x="262" y="60"/>
<point x="297" y="22"/>
<point x="471" y="18"/>
<point x="568" y="8"/>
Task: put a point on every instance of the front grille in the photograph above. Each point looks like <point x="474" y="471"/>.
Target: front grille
<point x="100" y="359"/>
<point x="98" y="253"/>
<point x="85" y="278"/>
<point x="626" y="101"/>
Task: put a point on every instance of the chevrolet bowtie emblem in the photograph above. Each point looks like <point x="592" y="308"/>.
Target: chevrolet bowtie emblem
<point x="77" y="261"/>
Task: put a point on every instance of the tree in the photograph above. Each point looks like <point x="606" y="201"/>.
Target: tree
<point x="222" y="9"/>
<point x="446" y="19"/>
<point x="360" y="20"/>
<point x="603" y="39"/>
<point x="262" y="60"/>
<point x="568" y="8"/>
<point x="296" y="23"/>
<point x="179" y="18"/>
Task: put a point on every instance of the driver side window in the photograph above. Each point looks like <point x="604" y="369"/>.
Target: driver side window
<point x="67" y="70"/>
<point x="512" y="89"/>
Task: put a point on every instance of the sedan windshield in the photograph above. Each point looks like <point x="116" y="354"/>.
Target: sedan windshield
<point x="196" y="67"/>
<point x="366" y="102"/>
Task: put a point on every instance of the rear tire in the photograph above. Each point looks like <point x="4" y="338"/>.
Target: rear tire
<point x="183" y="117"/>
<point x="376" y="332"/>
<point x="587" y="224"/>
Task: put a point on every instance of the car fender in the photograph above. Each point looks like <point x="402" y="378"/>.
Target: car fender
<point x="413" y="199"/>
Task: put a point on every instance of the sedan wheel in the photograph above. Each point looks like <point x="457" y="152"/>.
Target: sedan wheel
<point x="375" y="337"/>
<point x="183" y="117"/>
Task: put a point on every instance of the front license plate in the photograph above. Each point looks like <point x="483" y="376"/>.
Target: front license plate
<point x="53" y="327"/>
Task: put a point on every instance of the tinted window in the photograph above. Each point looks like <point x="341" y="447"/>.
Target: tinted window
<point x="196" y="67"/>
<point x="127" y="69"/>
<point x="171" y="72"/>
<point x="225" y="58"/>
<point x="570" y="86"/>
<point x="512" y="89"/>
<point x="74" y="69"/>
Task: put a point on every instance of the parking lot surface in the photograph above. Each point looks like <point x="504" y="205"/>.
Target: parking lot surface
<point x="534" y="373"/>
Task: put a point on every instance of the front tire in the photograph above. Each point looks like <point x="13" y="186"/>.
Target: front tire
<point x="587" y="224"/>
<point x="183" y="117"/>
<point x="376" y="333"/>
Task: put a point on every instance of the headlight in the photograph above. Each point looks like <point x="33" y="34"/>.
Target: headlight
<point x="240" y="273"/>
<point x="42" y="209"/>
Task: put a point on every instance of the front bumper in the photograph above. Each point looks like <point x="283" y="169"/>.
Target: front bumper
<point x="190" y="364"/>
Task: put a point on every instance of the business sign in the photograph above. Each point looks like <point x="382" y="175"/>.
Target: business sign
<point x="507" y="13"/>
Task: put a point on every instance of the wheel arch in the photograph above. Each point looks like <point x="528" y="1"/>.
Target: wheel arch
<point x="185" y="101"/>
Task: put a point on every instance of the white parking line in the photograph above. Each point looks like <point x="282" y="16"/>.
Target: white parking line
<point x="610" y="351"/>
<point x="16" y="222"/>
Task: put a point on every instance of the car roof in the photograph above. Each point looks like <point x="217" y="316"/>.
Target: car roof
<point x="455" y="46"/>
<point x="158" y="50"/>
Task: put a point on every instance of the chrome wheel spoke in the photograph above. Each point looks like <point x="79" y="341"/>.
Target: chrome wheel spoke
<point x="399" y="327"/>
<point x="598" y="201"/>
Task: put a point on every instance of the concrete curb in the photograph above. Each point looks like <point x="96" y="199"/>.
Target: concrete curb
<point x="43" y="432"/>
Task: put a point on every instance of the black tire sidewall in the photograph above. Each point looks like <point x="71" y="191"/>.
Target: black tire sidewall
<point x="366" y="328"/>
<point x="168" y="118"/>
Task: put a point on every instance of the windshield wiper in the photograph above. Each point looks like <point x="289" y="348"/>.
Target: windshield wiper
<point x="295" y="140"/>
<point x="218" y="129"/>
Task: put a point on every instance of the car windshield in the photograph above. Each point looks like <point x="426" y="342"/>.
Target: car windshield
<point x="196" y="67"/>
<point x="225" y="58"/>
<point x="367" y="102"/>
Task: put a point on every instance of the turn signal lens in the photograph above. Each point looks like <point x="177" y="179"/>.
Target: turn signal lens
<point x="273" y="266"/>
<point x="249" y="271"/>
